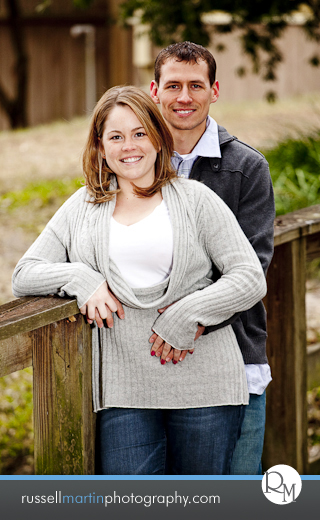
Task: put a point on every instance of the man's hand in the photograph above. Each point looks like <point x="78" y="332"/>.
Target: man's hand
<point x="100" y="307"/>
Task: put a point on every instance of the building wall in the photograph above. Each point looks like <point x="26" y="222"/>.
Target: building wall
<point x="294" y="75"/>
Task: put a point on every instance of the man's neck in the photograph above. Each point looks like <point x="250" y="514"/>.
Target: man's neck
<point x="186" y="140"/>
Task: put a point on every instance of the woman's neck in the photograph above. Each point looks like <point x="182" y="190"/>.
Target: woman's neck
<point x="130" y="208"/>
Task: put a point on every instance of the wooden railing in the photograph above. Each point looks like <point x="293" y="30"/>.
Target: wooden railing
<point x="51" y="335"/>
<point x="296" y="240"/>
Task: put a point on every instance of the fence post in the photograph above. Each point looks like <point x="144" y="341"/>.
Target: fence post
<point x="64" y="424"/>
<point x="286" y="427"/>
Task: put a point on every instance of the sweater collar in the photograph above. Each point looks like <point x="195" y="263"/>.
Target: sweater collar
<point x="175" y="198"/>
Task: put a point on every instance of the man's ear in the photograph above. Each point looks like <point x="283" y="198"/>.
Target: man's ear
<point x="154" y="92"/>
<point x="215" y="92"/>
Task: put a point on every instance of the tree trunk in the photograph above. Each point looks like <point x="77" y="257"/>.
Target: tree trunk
<point x="16" y="106"/>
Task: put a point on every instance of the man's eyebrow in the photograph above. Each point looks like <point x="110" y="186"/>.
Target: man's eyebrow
<point x="174" y="81"/>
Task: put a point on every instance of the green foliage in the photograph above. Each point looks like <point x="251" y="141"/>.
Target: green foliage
<point x="16" y="430"/>
<point x="295" y="172"/>
<point x="40" y="194"/>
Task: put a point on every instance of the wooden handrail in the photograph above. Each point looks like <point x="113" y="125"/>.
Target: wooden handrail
<point x="296" y="239"/>
<point x="50" y="334"/>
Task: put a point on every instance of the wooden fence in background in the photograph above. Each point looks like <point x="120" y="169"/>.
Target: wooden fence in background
<point x="51" y="335"/>
<point x="56" y="60"/>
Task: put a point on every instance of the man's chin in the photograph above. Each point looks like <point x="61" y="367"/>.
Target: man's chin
<point x="183" y="125"/>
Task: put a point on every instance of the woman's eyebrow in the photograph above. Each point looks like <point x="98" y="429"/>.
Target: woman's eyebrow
<point x="120" y="131"/>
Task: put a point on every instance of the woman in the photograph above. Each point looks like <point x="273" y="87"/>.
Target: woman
<point x="151" y="238"/>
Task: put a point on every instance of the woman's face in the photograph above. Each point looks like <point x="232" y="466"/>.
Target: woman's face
<point x="127" y="148"/>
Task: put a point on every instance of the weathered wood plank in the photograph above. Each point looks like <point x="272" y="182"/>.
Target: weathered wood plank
<point x="313" y="363"/>
<point x="313" y="246"/>
<point x="286" y="426"/>
<point x="299" y="223"/>
<point x="31" y="313"/>
<point x="64" y="424"/>
<point x="15" y="353"/>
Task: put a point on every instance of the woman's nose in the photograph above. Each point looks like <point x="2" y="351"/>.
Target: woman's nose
<point x="128" y="144"/>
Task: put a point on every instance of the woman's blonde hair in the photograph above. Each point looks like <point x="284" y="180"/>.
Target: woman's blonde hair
<point x="95" y="168"/>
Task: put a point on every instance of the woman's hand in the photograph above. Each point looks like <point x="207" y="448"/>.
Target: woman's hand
<point x="165" y="351"/>
<point x="161" y="348"/>
<point x="100" y="307"/>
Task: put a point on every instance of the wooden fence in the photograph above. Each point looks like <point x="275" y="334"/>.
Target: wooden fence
<point x="56" y="60"/>
<point x="51" y="335"/>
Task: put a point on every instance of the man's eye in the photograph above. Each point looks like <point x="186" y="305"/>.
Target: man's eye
<point x="196" y="86"/>
<point x="173" y="86"/>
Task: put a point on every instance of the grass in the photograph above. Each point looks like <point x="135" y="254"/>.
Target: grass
<point x="40" y="194"/>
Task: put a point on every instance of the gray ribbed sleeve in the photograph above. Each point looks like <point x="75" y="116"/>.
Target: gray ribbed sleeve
<point x="240" y="287"/>
<point x="46" y="269"/>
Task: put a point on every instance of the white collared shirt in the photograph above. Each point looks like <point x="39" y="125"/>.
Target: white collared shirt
<point x="207" y="146"/>
<point x="258" y="376"/>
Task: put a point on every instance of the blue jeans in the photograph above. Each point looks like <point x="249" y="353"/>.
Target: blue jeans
<point x="196" y="441"/>
<point x="247" y="455"/>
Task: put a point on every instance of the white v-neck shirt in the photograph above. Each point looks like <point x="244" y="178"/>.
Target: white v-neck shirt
<point x="143" y="252"/>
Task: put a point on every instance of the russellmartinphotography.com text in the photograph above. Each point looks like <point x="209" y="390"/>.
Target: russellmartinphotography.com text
<point x="146" y="500"/>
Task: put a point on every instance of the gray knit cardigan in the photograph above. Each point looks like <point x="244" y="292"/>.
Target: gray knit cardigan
<point x="71" y="257"/>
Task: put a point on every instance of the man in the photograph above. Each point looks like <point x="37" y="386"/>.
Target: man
<point x="184" y="87"/>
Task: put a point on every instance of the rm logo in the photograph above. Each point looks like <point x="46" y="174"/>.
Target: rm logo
<point x="281" y="484"/>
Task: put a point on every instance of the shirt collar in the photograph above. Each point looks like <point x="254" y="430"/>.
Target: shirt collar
<point x="208" y="144"/>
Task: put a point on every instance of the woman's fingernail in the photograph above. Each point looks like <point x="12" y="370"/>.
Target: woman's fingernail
<point x="174" y="362"/>
<point x="163" y="361"/>
<point x="190" y="352"/>
<point x="152" y="352"/>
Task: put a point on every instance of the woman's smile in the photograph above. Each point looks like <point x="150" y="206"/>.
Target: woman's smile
<point x="131" y="159"/>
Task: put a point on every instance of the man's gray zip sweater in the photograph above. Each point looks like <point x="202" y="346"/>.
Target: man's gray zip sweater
<point x="241" y="178"/>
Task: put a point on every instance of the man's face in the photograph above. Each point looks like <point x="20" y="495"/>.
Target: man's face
<point x="184" y="94"/>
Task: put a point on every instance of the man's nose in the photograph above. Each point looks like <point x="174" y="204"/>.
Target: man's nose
<point x="184" y="96"/>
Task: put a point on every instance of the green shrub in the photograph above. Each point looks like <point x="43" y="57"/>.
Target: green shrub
<point x="295" y="172"/>
<point x="16" y="429"/>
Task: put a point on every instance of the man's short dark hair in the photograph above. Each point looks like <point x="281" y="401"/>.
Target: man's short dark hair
<point x="188" y="52"/>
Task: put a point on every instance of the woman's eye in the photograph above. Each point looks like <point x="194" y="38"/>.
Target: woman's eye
<point x="115" y="137"/>
<point x="140" y="134"/>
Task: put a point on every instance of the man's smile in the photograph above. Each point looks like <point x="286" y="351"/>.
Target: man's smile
<point x="184" y="111"/>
